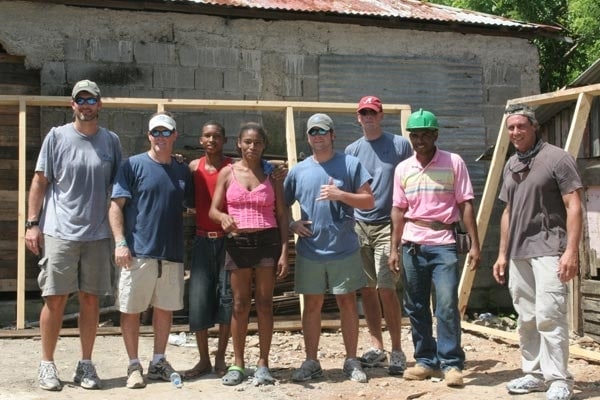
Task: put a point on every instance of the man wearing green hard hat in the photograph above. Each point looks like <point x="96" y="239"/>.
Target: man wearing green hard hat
<point x="432" y="193"/>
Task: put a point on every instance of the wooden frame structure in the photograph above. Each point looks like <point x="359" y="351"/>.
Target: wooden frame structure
<point x="157" y="105"/>
<point x="583" y="96"/>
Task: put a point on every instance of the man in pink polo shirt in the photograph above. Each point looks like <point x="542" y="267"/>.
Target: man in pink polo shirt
<point x="432" y="192"/>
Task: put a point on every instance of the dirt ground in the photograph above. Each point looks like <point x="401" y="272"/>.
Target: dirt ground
<point x="490" y="364"/>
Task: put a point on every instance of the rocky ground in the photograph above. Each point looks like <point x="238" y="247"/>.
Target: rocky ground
<point x="490" y="364"/>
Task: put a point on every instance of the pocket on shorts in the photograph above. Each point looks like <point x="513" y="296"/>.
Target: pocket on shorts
<point x="43" y="275"/>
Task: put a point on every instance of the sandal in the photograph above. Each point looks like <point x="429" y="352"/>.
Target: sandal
<point x="196" y="372"/>
<point x="262" y="376"/>
<point x="234" y="376"/>
<point x="220" y="370"/>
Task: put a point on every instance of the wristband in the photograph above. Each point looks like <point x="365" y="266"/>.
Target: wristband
<point x="121" y="243"/>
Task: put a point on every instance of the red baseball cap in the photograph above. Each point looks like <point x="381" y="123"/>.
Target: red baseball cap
<point x="371" y="103"/>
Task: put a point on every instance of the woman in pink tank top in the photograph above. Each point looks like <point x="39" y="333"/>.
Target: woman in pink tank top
<point x="249" y="205"/>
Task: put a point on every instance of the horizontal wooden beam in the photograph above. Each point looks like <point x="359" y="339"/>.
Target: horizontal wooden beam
<point x="574" y="351"/>
<point x="281" y="324"/>
<point x="194" y="104"/>
<point x="11" y="285"/>
<point x="558" y="96"/>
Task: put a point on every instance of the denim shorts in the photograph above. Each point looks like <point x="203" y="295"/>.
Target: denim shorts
<point x="209" y="296"/>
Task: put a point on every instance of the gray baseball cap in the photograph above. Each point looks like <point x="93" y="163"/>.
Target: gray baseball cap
<point x="322" y="121"/>
<point x="86" y="86"/>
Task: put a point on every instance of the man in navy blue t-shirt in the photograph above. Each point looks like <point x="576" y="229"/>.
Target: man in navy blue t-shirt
<point x="146" y="217"/>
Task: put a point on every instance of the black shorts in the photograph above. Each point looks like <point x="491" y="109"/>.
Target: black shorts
<point x="253" y="249"/>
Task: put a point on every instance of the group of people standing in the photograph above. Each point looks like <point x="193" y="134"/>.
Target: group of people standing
<point x="379" y="220"/>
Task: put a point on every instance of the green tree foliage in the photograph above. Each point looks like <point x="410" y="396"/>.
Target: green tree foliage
<point x="561" y="61"/>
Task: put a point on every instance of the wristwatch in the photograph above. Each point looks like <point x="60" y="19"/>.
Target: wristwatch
<point x="31" y="224"/>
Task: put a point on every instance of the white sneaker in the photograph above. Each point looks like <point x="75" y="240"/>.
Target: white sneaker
<point x="135" y="376"/>
<point x="48" y="377"/>
<point x="526" y="384"/>
<point x="559" y="390"/>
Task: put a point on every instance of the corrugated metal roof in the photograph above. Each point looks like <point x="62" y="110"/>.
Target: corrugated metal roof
<point x="400" y="9"/>
<point x="588" y="77"/>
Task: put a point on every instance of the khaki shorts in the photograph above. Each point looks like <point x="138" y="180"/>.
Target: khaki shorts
<point x="69" y="266"/>
<point x="375" y="242"/>
<point x="141" y="286"/>
<point x="339" y="276"/>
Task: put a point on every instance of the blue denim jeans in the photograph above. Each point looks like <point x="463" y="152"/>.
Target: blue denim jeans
<point x="209" y="296"/>
<point x="437" y="264"/>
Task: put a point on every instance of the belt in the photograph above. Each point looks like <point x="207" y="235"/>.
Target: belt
<point x="210" y="235"/>
<point x="435" y="225"/>
<point x="373" y="223"/>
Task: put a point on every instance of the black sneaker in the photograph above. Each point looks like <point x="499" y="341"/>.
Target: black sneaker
<point x="86" y="376"/>
<point x="161" y="370"/>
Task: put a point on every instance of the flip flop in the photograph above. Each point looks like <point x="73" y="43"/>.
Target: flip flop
<point x="196" y="372"/>
<point x="234" y="376"/>
<point x="262" y="376"/>
<point x="220" y="370"/>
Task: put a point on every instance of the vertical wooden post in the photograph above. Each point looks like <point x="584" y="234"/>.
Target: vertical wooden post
<point x="484" y="212"/>
<point x="572" y="145"/>
<point x="20" y="320"/>
<point x="290" y="140"/>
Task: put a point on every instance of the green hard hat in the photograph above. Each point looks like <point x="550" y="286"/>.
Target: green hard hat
<point x="422" y="120"/>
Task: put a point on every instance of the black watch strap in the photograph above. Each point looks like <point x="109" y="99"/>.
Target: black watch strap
<point x="31" y="224"/>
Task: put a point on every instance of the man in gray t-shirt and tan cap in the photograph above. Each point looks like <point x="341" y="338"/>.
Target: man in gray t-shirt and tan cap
<point x="67" y="225"/>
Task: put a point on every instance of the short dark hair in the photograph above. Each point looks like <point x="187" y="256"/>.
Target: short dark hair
<point x="212" y="122"/>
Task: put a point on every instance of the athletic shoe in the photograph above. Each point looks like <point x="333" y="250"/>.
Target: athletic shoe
<point x="161" y="370"/>
<point x="86" y="376"/>
<point x="526" y="384"/>
<point x="397" y="363"/>
<point x="373" y="358"/>
<point x="135" y="376"/>
<point x="353" y="369"/>
<point x="48" y="377"/>
<point x="310" y="369"/>
<point x="559" y="390"/>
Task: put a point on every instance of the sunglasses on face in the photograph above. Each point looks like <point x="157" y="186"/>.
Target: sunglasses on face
<point x="318" y="131"/>
<point x="367" y="111"/>
<point x="90" y="100"/>
<point x="157" y="133"/>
